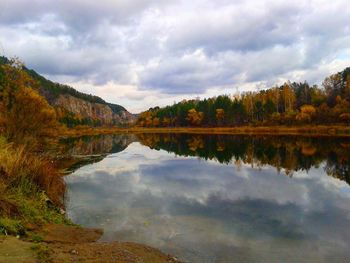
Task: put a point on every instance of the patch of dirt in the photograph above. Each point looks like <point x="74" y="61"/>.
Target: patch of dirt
<point x="106" y="252"/>
<point x="76" y="244"/>
<point x="13" y="250"/>
<point x="69" y="234"/>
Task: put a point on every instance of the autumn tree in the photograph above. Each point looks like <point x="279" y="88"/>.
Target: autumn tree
<point x="286" y="104"/>
<point x="194" y="117"/>
<point x="288" y="97"/>
<point x="220" y="115"/>
<point x="333" y="87"/>
<point x="307" y="112"/>
<point x="25" y="115"/>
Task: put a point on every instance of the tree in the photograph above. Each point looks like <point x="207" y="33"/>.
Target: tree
<point x="194" y="117"/>
<point x="258" y="110"/>
<point x="269" y="107"/>
<point x="25" y="114"/>
<point x="30" y="116"/>
<point x="155" y="122"/>
<point x="333" y="87"/>
<point x="307" y="112"/>
<point x="288" y="97"/>
<point x="220" y="115"/>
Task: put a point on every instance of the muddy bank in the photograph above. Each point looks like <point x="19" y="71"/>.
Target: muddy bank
<point x="61" y="244"/>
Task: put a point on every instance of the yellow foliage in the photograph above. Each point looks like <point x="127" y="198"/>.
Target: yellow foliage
<point x="308" y="109"/>
<point x="304" y="117"/>
<point x="195" y="117"/>
<point x="155" y="122"/>
<point x="220" y="114"/>
<point x="25" y="115"/>
<point x="30" y="115"/>
<point x="307" y="112"/>
<point x="195" y="143"/>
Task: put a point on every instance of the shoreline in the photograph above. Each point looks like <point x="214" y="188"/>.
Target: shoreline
<point x="57" y="243"/>
<point x="307" y="130"/>
<point x="34" y="226"/>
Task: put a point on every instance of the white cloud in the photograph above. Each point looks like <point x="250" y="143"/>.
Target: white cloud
<point x="154" y="52"/>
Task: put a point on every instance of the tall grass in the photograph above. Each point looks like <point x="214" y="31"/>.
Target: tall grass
<point x="29" y="172"/>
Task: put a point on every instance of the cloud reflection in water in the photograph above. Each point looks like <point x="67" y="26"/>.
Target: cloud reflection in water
<point x="204" y="211"/>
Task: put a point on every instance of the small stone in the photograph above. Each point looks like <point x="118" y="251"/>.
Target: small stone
<point x="74" y="252"/>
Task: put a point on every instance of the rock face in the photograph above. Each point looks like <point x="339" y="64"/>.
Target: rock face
<point x="94" y="111"/>
<point x="77" y="108"/>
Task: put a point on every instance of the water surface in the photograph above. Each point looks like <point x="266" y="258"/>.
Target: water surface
<point x="207" y="198"/>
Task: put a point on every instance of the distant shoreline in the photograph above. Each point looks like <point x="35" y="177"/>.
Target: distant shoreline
<point x="307" y="130"/>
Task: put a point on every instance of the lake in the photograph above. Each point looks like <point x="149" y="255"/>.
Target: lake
<point x="216" y="198"/>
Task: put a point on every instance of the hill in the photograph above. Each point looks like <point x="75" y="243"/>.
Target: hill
<point x="77" y="108"/>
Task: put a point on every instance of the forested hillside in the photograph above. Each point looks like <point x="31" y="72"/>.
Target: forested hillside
<point x="73" y="107"/>
<point x="291" y="103"/>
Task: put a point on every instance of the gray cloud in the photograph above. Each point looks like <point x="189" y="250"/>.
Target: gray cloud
<point x="178" y="47"/>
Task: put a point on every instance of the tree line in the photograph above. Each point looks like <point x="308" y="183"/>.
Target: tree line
<point x="290" y="103"/>
<point x="290" y="153"/>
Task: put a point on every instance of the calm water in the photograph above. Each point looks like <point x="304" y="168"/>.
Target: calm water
<point x="216" y="198"/>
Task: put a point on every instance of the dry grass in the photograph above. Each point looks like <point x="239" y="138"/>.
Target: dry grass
<point x="31" y="190"/>
<point x="28" y="174"/>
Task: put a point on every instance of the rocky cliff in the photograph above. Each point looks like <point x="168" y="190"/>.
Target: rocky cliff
<point x="77" y="108"/>
<point x="95" y="111"/>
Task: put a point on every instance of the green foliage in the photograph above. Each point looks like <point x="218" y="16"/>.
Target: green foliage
<point x="274" y="106"/>
<point x="36" y="238"/>
<point x="42" y="253"/>
<point x="10" y="226"/>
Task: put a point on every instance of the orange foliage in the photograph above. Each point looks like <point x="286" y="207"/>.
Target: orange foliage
<point x="155" y="122"/>
<point x="307" y="112"/>
<point x="345" y="117"/>
<point x="308" y="109"/>
<point x="25" y="115"/>
<point x="220" y="114"/>
<point x="194" y="117"/>
<point x="195" y="143"/>
<point x="30" y="115"/>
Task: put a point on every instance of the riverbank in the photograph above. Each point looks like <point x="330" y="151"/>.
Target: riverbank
<point x="65" y="244"/>
<point x="33" y="224"/>
<point x="307" y="130"/>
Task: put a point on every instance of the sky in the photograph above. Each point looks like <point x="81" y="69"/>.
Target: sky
<point x="146" y="53"/>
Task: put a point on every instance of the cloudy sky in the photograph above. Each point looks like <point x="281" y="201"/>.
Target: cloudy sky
<point x="143" y="53"/>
